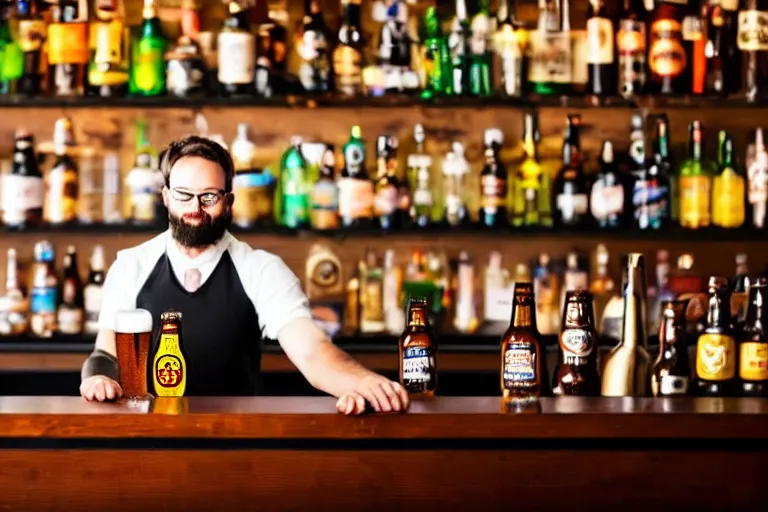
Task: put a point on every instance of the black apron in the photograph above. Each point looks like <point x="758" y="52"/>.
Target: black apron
<point x="220" y="329"/>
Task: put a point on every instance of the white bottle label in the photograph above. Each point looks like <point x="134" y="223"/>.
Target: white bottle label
<point x="92" y="297"/>
<point x="417" y="363"/>
<point x="237" y="57"/>
<point x="21" y="193"/>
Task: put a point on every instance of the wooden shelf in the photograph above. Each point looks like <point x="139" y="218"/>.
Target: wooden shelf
<point x="310" y="102"/>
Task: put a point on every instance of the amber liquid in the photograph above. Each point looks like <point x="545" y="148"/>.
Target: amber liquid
<point x="132" y="354"/>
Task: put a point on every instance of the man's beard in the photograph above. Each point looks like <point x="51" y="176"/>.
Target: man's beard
<point x="208" y="232"/>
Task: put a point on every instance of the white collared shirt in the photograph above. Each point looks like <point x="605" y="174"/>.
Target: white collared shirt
<point x="272" y="287"/>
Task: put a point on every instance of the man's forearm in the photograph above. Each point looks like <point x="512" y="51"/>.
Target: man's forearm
<point x="333" y="371"/>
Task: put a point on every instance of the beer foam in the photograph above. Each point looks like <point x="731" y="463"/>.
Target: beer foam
<point x="133" y="321"/>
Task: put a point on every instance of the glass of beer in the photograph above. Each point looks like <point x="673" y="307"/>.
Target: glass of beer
<point x="133" y="330"/>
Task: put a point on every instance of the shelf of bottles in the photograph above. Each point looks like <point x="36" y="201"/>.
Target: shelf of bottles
<point x="61" y="55"/>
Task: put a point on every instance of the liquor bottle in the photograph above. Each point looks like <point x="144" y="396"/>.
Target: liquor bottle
<point x="551" y="71"/>
<point x="600" y="52"/>
<point x="658" y="290"/>
<point x="271" y="62"/>
<point x="23" y="189"/>
<point x="315" y="69"/>
<point x="92" y="292"/>
<point x="348" y="54"/>
<point x="294" y="190"/>
<point x="576" y="374"/>
<point x="148" y="55"/>
<point x="667" y="59"/>
<point x="528" y="182"/>
<point x="324" y="214"/>
<point x="716" y="355"/>
<point x="62" y="193"/>
<point x="355" y="188"/>
<point x="728" y="194"/>
<point x="145" y="182"/>
<point x="610" y="197"/>
<point x="575" y="277"/>
<point x="436" y="58"/>
<point x="15" y="321"/>
<point x="107" y="72"/>
<point x="653" y="191"/>
<point x="631" y="47"/>
<point x="739" y="289"/>
<point x="71" y="314"/>
<point x="385" y="201"/>
<point x="694" y="42"/>
<point x="751" y="41"/>
<point x="571" y="189"/>
<point x="395" y="50"/>
<point x="253" y="186"/>
<point x="371" y="274"/>
<point x="419" y="166"/>
<point x="11" y="54"/>
<point x="723" y="73"/>
<point x="480" y="51"/>
<point x="602" y="286"/>
<point x="497" y="303"/>
<point x="418" y="352"/>
<point x="546" y="287"/>
<point x="753" y="345"/>
<point x="236" y="53"/>
<point x="522" y="352"/>
<point x="627" y="366"/>
<point x="466" y="320"/>
<point x="695" y="183"/>
<point x="455" y="168"/>
<point x="757" y="178"/>
<point x="686" y="284"/>
<point x="44" y="295"/>
<point x="31" y="38"/>
<point x="185" y="70"/>
<point x="638" y="159"/>
<point x="392" y="287"/>
<point x="510" y="46"/>
<point x="67" y="48"/>
<point x="493" y="183"/>
<point x="671" y="371"/>
<point x="169" y="367"/>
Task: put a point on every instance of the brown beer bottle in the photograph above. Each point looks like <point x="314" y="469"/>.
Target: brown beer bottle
<point x="716" y="356"/>
<point x="418" y="352"/>
<point x="521" y="348"/>
<point x="576" y="374"/>
<point x="671" y="373"/>
<point x="753" y="343"/>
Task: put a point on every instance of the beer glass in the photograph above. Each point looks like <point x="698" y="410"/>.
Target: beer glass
<point x="133" y="330"/>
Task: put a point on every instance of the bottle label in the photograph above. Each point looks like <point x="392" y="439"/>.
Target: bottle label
<point x="417" y="364"/>
<point x="149" y="66"/>
<point x="144" y="186"/>
<point x="70" y="320"/>
<point x="757" y="176"/>
<point x="673" y="385"/>
<point x="630" y="40"/>
<point x="109" y="42"/>
<point x="68" y="43"/>
<point x="347" y="65"/>
<point x="606" y="201"/>
<point x="651" y="202"/>
<point x="666" y="55"/>
<point x="576" y="343"/>
<point x="695" y="201"/>
<point x="552" y="57"/>
<point x="169" y="367"/>
<point x="32" y="34"/>
<point x="693" y="28"/>
<point x="184" y="76"/>
<point x="92" y="299"/>
<point x="752" y="36"/>
<point x="519" y="365"/>
<point x="355" y="198"/>
<point x="62" y="194"/>
<point x="571" y="205"/>
<point x="422" y="197"/>
<point x="385" y="202"/>
<point x="715" y="357"/>
<point x="728" y="200"/>
<point x="255" y="193"/>
<point x="43" y="300"/>
<point x="325" y="205"/>
<point x="754" y="361"/>
<point x="20" y="194"/>
<point x="237" y="57"/>
<point x="599" y="41"/>
<point x="492" y="192"/>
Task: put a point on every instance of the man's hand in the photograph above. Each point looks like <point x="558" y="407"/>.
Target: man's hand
<point x="100" y="388"/>
<point x="383" y="395"/>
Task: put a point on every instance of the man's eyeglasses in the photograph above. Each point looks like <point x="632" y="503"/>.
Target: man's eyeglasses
<point x="205" y="199"/>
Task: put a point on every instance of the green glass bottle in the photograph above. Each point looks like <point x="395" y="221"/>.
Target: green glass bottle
<point x="695" y="183"/>
<point x="294" y="189"/>
<point x="11" y="55"/>
<point x="480" y="52"/>
<point x="437" y="58"/>
<point x="148" y="55"/>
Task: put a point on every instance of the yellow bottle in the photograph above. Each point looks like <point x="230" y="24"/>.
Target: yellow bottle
<point x="169" y="368"/>
<point x="695" y="183"/>
<point x="728" y="188"/>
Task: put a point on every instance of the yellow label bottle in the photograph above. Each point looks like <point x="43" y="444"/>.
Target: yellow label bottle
<point x="728" y="188"/>
<point x="694" y="201"/>
<point x="753" y="363"/>
<point x="169" y="368"/>
<point x="715" y="357"/>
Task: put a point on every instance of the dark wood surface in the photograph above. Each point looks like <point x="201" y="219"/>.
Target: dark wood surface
<point x="438" y="418"/>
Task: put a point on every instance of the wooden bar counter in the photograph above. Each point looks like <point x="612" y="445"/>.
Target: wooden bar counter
<point x="448" y="453"/>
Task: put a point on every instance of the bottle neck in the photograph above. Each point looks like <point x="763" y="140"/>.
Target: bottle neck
<point x="662" y="141"/>
<point x="522" y="314"/>
<point x="671" y="331"/>
<point x="694" y="145"/>
<point x="418" y="317"/>
<point x="756" y="309"/>
<point x="718" y="311"/>
<point x="633" y="328"/>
